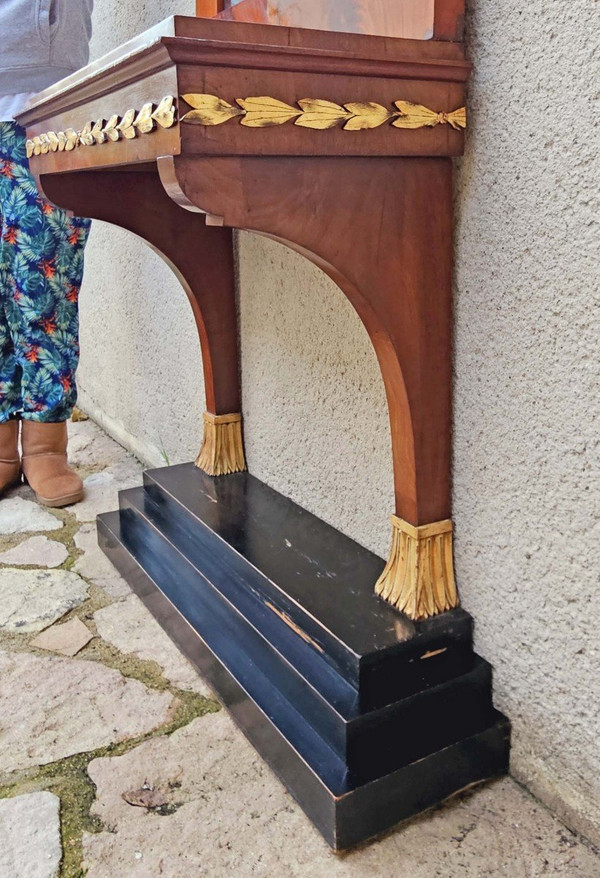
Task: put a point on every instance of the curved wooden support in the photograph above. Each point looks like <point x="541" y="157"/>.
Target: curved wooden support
<point x="382" y="229"/>
<point x="201" y="257"/>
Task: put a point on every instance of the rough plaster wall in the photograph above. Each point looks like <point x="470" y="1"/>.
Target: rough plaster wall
<point x="140" y="372"/>
<point x="526" y="450"/>
<point x="315" y="415"/>
<point x="527" y="416"/>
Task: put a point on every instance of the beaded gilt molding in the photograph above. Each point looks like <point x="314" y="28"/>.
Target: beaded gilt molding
<point x="127" y="127"/>
<point x="264" y="112"/>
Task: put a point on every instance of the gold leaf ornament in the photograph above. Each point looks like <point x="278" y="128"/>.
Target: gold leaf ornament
<point x="320" y="115"/>
<point x="209" y="110"/>
<point x="97" y="132"/>
<point x="165" y="112"/>
<point x="132" y="123"/>
<point x="365" y="115"/>
<point x="417" y="116"/>
<point x="125" y="126"/>
<point x="45" y="145"/>
<point x="86" y="137"/>
<point x="110" y="130"/>
<point x="264" y="112"/>
<point x="144" y="121"/>
<point x="72" y="139"/>
<point x="458" y="118"/>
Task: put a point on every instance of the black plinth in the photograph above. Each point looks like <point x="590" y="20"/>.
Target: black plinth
<point x="366" y="716"/>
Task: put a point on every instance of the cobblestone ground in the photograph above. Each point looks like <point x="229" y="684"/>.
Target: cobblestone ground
<point x="115" y="760"/>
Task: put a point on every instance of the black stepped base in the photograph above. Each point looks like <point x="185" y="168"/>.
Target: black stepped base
<point x="366" y="716"/>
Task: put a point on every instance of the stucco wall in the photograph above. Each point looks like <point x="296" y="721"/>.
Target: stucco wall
<point x="526" y="445"/>
<point x="140" y="374"/>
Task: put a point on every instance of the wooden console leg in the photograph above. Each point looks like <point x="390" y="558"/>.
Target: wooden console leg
<point x="202" y="259"/>
<point x="383" y="231"/>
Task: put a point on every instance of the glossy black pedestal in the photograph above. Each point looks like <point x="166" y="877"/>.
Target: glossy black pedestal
<point x="367" y="717"/>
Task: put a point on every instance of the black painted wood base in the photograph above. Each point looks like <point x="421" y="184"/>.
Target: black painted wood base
<point x="366" y="716"/>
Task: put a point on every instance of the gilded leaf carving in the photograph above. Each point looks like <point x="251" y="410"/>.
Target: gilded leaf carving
<point x="144" y="121"/>
<point x="209" y="110"/>
<point x="72" y="139"/>
<point x="165" y="112"/>
<point x="458" y="118"/>
<point x="320" y="114"/>
<point x="125" y="126"/>
<point x="263" y="112"/>
<point x="414" y="116"/>
<point x="110" y="129"/>
<point x="418" y="116"/>
<point x="366" y="114"/>
<point x="253" y="112"/>
<point x="86" y="137"/>
<point x="97" y="132"/>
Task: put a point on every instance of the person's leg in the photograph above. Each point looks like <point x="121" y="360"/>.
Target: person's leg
<point x="45" y="277"/>
<point x="10" y="370"/>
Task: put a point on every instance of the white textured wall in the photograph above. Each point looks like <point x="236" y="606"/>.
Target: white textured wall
<point x="527" y="446"/>
<point x="527" y="393"/>
<point x="140" y="372"/>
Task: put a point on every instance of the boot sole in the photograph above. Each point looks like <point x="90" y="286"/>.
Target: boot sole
<point x="56" y="502"/>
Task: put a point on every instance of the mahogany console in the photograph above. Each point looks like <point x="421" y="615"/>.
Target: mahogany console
<point x="354" y="678"/>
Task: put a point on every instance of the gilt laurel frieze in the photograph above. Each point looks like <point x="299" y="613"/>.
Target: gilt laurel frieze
<point x="264" y="112"/>
<point x="127" y="127"/>
<point x="253" y="112"/>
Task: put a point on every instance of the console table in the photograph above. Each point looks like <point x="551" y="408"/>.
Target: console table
<point x="355" y="679"/>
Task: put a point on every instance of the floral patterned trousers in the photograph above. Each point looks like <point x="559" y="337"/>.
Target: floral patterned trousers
<point x="41" y="266"/>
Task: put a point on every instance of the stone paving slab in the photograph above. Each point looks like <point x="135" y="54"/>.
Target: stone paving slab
<point x="94" y="564"/>
<point x="132" y="629"/>
<point x="30" y="600"/>
<point x="89" y="446"/>
<point x="66" y="639"/>
<point x="101" y="489"/>
<point x="36" y="551"/>
<point x="25" y="516"/>
<point x="30" y="836"/>
<point x="227" y="815"/>
<point x="53" y="707"/>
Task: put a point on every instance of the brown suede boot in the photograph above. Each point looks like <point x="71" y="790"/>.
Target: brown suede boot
<point x="10" y="464"/>
<point x="45" y="464"/>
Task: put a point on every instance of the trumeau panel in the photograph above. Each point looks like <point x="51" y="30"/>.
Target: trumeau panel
<point x="410" y="19"/>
